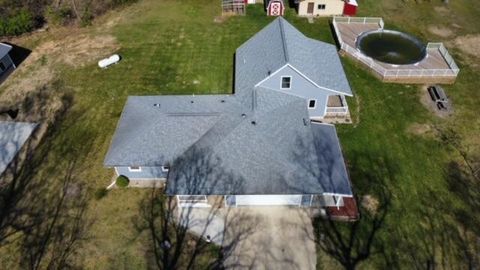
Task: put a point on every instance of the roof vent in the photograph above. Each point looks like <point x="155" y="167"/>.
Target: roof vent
<point x="269" y="72"/>
<point x="305" y="122"/>
<point x="254" y="123"/>
<point x="156" y="105"/>
<point x="191" y="101"/>
<point x="222" y="101"/>
<point x="244" y="115"/>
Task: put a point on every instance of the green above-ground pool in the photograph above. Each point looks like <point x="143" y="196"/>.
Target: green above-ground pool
<point x="392" y="47"/>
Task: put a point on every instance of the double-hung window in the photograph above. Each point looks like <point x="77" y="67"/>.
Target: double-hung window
<point x="286" y="82"/>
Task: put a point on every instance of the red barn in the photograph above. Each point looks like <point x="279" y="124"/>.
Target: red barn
<point x="275" y="8"/>
<point x="350" y="8"/>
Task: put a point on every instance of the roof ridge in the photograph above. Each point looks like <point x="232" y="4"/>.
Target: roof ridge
<point x="226" y="118"/>
<point x="284" y="41"/>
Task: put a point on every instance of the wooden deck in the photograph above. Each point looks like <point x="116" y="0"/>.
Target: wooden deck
<point x="347" y="212"/>
<point x="434" y="68"/>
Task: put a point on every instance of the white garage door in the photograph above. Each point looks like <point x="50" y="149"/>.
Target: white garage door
<point x="268" y="200"/>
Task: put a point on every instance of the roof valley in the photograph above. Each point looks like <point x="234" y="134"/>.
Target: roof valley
<point x="284" y="42"/>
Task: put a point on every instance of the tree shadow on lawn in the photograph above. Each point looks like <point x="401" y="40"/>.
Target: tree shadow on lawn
<point x="42" y="215"/>
<point x="351" y="243"/>
<point x="45" y="219"/>
<point x="442" y="233"/>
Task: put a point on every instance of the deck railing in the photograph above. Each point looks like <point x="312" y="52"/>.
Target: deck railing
<point x="393" y="73"/>
<point x="339" y="110"/>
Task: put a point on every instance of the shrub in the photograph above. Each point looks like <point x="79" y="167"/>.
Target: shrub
<point x="122" y="181"/>
<point x="122" y="2"/>
<point x="61" y="16"/>
<point x="100" y="193"/>
<point x="17" y="24"/>
<point x="87" y="17"/>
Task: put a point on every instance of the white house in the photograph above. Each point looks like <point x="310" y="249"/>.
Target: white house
<point x="327" y="7"/>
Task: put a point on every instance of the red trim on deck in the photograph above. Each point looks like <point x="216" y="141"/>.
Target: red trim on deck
<point x="349" y="210"/>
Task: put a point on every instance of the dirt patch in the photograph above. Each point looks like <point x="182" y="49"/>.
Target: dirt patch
<point x="76" y="51"/>
<point x="84" y="50"/>
<point x="469" y="44"/>
<point x="370" y="203"/>
<point x="440" y="31"/>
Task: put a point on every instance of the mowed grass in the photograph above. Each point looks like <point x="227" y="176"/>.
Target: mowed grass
<point x="175" y="47"/>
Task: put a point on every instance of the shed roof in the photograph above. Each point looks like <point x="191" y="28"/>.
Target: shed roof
<point x="4" y="49"/>
<point x="13" y="136"/>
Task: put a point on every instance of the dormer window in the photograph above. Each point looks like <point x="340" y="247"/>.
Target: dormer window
<point x="286" y="82"/>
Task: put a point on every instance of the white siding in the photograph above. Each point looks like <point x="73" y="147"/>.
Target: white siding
<point x="332" y="7"/>
<point x="268" y="200"/>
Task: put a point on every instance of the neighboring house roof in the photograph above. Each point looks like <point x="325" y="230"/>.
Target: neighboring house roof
<point x="13" y="136"/>
<point x="278" y="44"/>
<point x="4" y="49"/>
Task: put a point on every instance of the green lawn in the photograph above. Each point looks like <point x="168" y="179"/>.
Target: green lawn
<point x="167" y="45"/>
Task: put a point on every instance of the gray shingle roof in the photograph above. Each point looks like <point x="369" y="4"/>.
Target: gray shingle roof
<point x="13" y="136"/>
<point x="278" y="44"/>
<point x="215" y="149"/>
<point x="154" y="130"/>
<point x="4" y="49"/>
<point x="267" y="157"/>
<point x="333" y="173"/>
<point x="258" y="141"/>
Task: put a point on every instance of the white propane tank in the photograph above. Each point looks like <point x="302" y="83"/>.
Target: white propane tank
<point x="104" y="63"/>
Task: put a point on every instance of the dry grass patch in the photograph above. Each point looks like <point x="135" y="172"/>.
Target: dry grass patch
<point x="440" y="31"/>
<point x="421" y="129"/>
<point x="370" y="204"/>
<point x="469" y="44"/>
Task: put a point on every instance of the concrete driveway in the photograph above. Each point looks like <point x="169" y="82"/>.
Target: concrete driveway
<point x="269" y="238"/>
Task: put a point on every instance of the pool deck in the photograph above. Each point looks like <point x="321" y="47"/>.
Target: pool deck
<point x="434" y="68"/>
